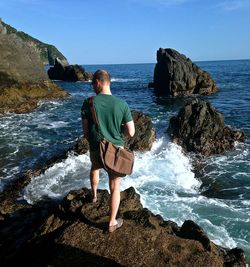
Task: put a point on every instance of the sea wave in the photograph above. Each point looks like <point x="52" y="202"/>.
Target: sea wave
<point x="163" y="167"/>
<point x="124" y="80"/>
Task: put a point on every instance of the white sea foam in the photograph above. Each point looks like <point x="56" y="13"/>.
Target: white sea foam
<point x="53" y="125"/>
<point x="165" y="166"/>
<point x="123" y="80"/>
<point x="246" y="202"/>
<point x="59" y="179"/>
<point x="218" y="234"/>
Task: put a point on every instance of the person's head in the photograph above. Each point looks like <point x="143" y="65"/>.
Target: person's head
<point x="100" y="80"/>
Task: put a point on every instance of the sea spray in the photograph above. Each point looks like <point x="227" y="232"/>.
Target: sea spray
<point x="163" y="167"/>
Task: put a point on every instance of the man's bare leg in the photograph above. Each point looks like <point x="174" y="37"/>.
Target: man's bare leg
<point x="94" y="180"/>
<point x="114" y="185"/>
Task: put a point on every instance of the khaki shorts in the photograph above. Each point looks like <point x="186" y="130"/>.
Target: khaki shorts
<point x="95" y="160"/>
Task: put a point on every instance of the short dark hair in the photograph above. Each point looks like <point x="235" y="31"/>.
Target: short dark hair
<point x="102" y="75"/>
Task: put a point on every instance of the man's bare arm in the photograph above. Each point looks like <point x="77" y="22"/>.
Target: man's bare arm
<point x="129" y="128"/>
<point x="85" y="127"/>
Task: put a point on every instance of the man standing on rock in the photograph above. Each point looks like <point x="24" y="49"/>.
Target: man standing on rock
<point x="114" y="119"/>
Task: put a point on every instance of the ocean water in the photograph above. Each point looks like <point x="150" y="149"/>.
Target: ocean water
<point x="164" y="176"/>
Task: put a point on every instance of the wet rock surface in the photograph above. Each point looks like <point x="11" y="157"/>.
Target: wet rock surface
<point x="25" y="97"/>
<point x="74" y="233"/>
<point x="200" y="128"/>
<point x="144" y="133"/>
<point x="176" y="75"/>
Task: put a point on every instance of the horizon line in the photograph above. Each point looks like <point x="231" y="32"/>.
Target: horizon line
<point x="136" y="63"/>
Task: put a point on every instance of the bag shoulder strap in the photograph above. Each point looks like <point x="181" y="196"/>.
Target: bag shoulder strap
<point x="93" y="112"/>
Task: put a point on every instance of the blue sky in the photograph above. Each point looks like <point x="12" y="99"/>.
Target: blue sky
<point x="131" y="31"/>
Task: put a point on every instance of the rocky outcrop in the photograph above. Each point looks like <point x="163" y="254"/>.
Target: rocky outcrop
<point x="25" y="97"/>
<point x="74" y="233"/>
<point x="144" y="133"/>
<point x="141" y="141"/>
<point x="66" y="72"/>
<point x="47" y="52"/>
<point x="200" y="128"/>
<point x="23" y="81"/>
<point x="176" y="75"/>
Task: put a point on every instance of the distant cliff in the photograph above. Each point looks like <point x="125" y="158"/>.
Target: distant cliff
<point x="23" y="80"/>
<point x="47" y="52"/>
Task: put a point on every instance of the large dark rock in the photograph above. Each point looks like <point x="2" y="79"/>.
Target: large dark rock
<point x="200" y="128"/>
<point x="141" y="141"/>
<point x="66" y="72"/>
<point x="23" y="81"/>
<point x="74" y="233"/>
<point x="176" y="75"/>
<point x="144" y="133"/>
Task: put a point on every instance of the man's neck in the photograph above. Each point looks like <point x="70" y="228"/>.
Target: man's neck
<point x="106" y="90"/>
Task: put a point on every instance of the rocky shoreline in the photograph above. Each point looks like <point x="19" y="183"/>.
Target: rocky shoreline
<point x="74" y="233"/>
<point x="25" y="97"/>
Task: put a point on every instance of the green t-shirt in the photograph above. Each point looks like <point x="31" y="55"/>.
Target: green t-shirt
<point x="111" y="113"/>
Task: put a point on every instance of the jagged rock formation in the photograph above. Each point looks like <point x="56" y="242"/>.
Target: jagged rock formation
<point x="74" y="233"/>
<point x="144" y="133"/>
<point x="47" y="52"/>
<point x="176" y="75"/>
<point x="23" y="81"/>
<point x="200" y="128"/>
<point x="66" y="72"/>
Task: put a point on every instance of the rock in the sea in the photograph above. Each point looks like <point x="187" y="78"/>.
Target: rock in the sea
<point x="23" y="81"/>
<point x="65" y="72"/>
<point x="141" y="141"/>
<point x="74" y="233"/>
<point x="176" y="75"/>
<point x="200" y="128"/>
<point x="144" y="133"/>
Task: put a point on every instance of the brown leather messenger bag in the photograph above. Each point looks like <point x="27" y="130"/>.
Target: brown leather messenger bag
<point x="116" y="160"/>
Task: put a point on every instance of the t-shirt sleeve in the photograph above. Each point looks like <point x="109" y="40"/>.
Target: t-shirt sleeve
<point x="127" y="116"/>
<point x="85" y="110"/>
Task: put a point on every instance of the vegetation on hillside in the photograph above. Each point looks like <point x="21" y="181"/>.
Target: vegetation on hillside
<point x="48" y="52"/>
